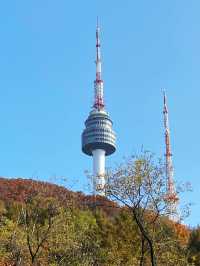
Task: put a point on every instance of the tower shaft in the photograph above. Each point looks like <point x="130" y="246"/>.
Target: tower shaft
<point x="99" y="169"/>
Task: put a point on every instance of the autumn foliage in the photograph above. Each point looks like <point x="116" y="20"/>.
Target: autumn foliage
<point x="46" y="224"/>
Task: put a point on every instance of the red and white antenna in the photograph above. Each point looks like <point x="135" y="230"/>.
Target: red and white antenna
<point x="98" y="83"/>
<point x="171" y="196"/>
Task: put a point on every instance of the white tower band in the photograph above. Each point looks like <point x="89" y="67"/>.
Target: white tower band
<point x="98" y="137"/>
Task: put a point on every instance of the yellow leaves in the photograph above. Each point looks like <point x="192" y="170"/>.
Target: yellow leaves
<point x="183" y="233"/>
<point x="2" y="208"/>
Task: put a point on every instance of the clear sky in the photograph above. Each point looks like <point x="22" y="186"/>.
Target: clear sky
<point x="47" y="53"/>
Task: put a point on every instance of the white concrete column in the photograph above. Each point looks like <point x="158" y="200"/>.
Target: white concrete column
<point x="99" y="170"/>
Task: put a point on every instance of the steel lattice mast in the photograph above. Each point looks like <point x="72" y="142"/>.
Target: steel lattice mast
<point x="171" y="195"/>
<point x="98" y="83"/>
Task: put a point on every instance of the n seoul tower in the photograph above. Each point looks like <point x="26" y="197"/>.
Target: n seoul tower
<point x="98" y="137"/>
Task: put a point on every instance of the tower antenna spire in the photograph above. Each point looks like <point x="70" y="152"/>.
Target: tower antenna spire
<point x="98" y="83"/>
<point x="171" y="195"/>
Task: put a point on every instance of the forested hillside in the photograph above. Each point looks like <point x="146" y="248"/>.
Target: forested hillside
<point x="45" y="224"/>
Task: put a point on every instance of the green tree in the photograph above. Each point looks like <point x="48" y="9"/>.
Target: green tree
<point x="140" y="185"/>
<point x="36" y="219"/>
<point x="194" y="246"/>
<point x="73" y="240"/>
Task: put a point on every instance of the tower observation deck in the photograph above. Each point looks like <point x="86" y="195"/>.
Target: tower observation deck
<point x="98" y="137"/>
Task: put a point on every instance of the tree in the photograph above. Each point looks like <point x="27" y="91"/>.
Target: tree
<point x="119" y="239"/>
<point x="37" y="217"/>
<point x="140" y="186"/>
<point x="73" y="240"/>
<point x="194" y="246"/>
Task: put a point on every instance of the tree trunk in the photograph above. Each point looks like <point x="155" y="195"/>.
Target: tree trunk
<point x="146" y="237"/>
<point x="153" y="258"/>
<point x="142" y="252"/>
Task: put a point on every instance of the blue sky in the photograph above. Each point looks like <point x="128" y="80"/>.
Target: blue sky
<point x="47" y="53"/>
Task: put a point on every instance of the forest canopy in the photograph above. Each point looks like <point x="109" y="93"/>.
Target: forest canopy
<point x="46" y="224"/>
